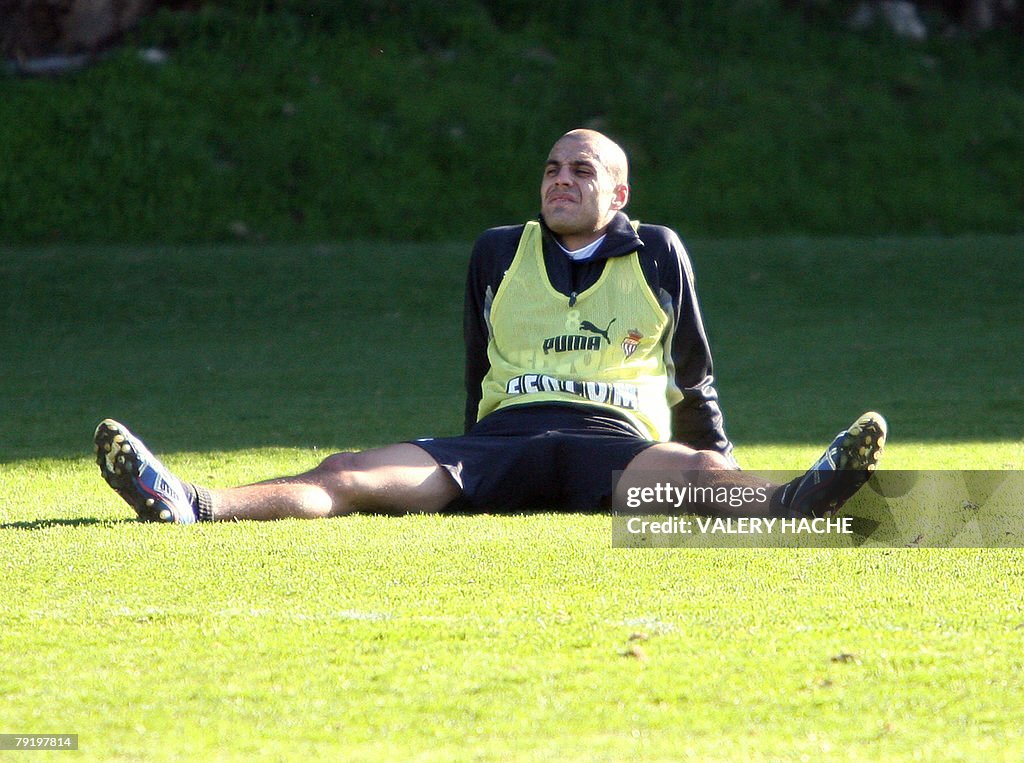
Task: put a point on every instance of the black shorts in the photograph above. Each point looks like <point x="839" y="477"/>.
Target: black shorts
<point x="544" y="457"/>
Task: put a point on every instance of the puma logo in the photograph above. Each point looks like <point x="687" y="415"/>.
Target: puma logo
<point x="588" y="326"/>
<point x="573" y="342"/>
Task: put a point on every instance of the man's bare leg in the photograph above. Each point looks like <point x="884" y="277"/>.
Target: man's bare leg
<point x="395" y="479"/>
<point x="683" y="468"/>
<point x="821" y="491"/>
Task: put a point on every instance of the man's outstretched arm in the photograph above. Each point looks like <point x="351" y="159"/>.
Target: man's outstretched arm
<point x="697" y="418"/>
<point x="492" y="254"/>
<point x="475" y="338"/>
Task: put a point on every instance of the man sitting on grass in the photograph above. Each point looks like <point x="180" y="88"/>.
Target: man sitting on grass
<point x="585" y="355"/>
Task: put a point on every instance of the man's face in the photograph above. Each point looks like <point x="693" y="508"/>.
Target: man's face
<point x="579" y="196"/>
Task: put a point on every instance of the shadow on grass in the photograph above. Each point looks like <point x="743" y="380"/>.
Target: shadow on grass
<point x="46" y="524"/>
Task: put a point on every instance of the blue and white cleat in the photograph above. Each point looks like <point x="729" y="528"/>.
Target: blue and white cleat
<point x="841" y="471"/>
<point x="139" y="477"/>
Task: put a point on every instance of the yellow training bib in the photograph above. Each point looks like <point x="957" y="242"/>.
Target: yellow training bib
<point x="605" y="350"/>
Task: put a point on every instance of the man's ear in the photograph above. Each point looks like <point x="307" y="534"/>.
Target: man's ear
<point x="620" y="196"/>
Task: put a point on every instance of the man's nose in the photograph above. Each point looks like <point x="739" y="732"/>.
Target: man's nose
<point x="564" y="176"/>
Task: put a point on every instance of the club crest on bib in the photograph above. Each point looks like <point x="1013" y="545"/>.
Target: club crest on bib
<point x="631" y="342"/>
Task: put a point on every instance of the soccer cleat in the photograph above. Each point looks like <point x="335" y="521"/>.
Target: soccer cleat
<point x="841" y="471"/>
<point x="137" y="475"/>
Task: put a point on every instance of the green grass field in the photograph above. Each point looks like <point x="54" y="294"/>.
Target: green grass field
<point x="486" y="637"/>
